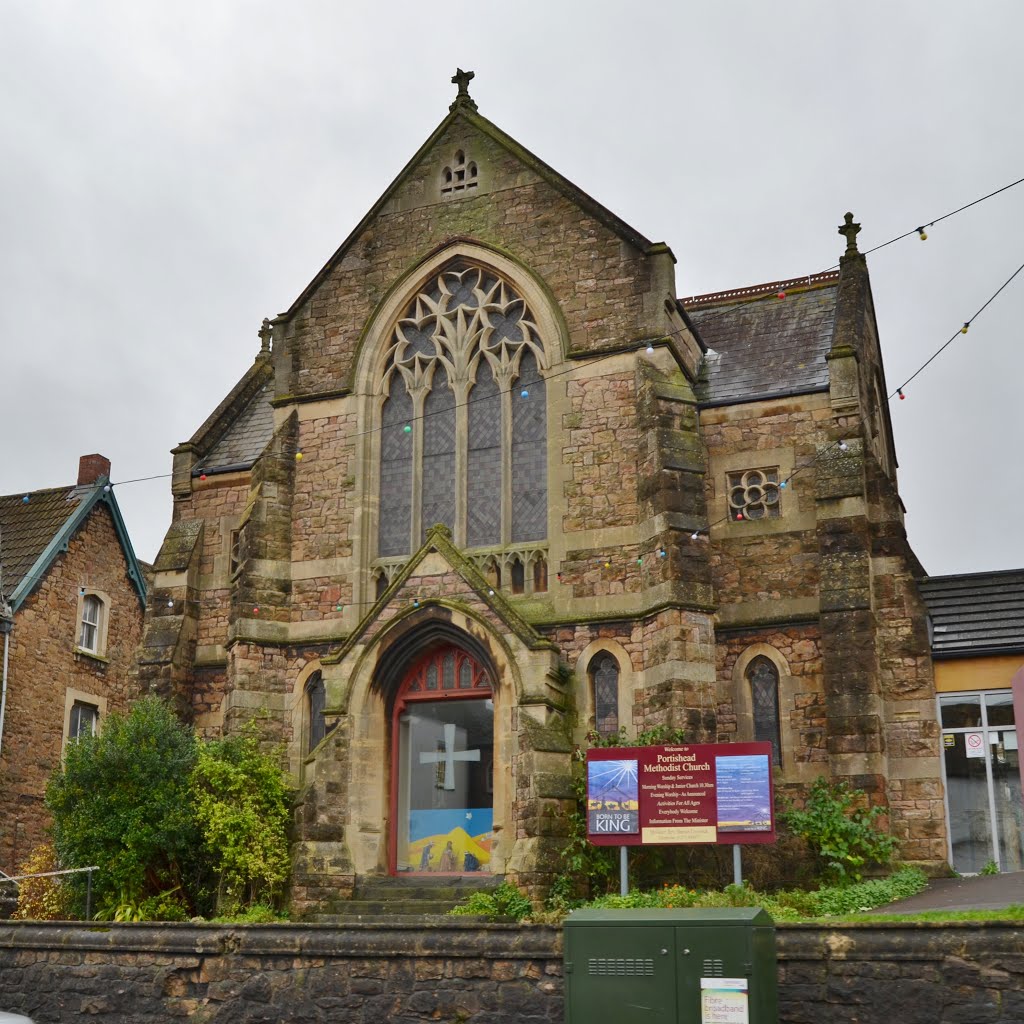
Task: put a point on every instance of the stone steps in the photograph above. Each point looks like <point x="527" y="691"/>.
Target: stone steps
<point x="384" y="896"/>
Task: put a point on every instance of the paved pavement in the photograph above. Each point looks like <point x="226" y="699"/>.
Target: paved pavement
<point x="979" y="892"/>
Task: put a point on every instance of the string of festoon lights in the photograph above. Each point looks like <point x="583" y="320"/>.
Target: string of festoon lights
<point x="650" y="347"/>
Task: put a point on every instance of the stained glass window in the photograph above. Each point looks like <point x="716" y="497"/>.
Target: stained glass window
<point x="439" y="454"/>
<point x="465" y="416"/>
<point x="316" y="701"/>
<point x="763" y="677"/>
<point x="604" y="678"/>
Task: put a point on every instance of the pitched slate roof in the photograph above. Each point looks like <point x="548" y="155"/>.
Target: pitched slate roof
<point x="26" y="528"/>
<point x="976" y="613"/>
<point x="34" y="532"/>
<point x="760" y="345"/>
<point x="246" y="437"/>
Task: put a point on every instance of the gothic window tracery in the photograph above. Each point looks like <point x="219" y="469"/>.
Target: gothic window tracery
<point x="754" y="494"/>
<point x="463" y="422"/>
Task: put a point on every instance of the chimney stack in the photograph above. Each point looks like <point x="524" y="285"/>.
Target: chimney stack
<point x="91" y="468"/>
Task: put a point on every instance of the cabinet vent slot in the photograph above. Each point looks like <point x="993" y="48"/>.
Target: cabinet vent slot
<point x="714" y="969"/>
<point x="618" y="965"/>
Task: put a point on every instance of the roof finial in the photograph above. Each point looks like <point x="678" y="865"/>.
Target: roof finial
<point x="849" y="229"/>
<point x="266" y="332"/>
<point x="462" y="79"/>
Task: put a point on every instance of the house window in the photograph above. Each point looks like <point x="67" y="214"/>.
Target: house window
<point x="754" y="494"/>
<point x="763" y="677"/>
<point x="604" y="683"/>
<point x="84" y="720"/>
<point x="316" y="701"/>
<point x="235" y="552"/>
<point x="463" y="421"/>
<point x="90" y="632"/>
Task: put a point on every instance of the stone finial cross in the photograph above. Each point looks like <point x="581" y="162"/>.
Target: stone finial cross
<point x="265" y="334"/>
<point x="850" y="230"/>
<point x="462" y="79"/>
<point x="449" y="756"/>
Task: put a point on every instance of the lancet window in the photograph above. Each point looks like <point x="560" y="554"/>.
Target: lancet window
<point x="763" y="677"/>
<point x="463" y="420"/>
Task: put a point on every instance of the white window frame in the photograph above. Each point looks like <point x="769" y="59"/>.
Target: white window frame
<point x="89" y="600"/>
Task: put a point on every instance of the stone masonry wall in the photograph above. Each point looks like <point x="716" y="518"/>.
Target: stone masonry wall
<point x="766" y="559"/>
<point x="445" y="970"/>
<point x="544" y="228"/>
<point x="44" y="665"/>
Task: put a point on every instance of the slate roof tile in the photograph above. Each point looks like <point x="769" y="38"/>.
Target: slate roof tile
<point x="976" y="613"/>
<point x="760" y="345"/>
<point x="26" y="528"/>
<point x="246" y="437"/>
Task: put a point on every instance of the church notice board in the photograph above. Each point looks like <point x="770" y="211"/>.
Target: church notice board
<point x="699" y="793"/>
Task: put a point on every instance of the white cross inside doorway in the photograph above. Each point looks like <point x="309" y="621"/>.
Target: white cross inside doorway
<point x="449" y="756"/>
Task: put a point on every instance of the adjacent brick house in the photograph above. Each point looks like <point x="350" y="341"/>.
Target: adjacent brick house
<point x="490" y="484"/>
<point x="72" y="597"/>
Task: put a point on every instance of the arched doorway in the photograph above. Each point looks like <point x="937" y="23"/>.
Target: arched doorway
<point x="442" y="799"/>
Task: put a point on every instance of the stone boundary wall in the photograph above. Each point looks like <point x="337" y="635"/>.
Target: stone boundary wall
<point x="452" y="971"/>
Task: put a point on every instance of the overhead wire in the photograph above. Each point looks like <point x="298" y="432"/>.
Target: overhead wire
<point x="525" y="385"/>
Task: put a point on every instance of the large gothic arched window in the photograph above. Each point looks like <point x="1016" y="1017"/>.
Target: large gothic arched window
<point x="463" y="423"/>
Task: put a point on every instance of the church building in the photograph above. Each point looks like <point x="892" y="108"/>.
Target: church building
<point x="491" y="485"/>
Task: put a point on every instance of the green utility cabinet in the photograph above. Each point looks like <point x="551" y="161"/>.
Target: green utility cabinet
<point x="711" y="966"/>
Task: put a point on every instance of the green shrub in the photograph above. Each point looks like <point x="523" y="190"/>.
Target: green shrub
<point x="504" y="901"/>
<point x="841" y="830"/>
<point x="790" y="905"/>
<point x="120" y="801"/>
<point x="850" y="899"/>
<point x="43" y="899"/>
<point x="242" y="805"/>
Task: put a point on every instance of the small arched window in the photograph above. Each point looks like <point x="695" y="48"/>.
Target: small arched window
<point x="518" y="575"/>
<point x="604" y="683"/>
<point x="316" y="701"/>
<point x="763" y="676"/>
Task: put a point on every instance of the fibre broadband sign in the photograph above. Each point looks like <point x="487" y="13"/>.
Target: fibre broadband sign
<point x="700" y="793"/>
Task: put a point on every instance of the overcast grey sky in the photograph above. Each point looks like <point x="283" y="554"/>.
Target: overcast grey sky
<point x="172" y="173"/>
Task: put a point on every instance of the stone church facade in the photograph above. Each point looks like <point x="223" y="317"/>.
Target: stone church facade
<point x="490" y="484"/>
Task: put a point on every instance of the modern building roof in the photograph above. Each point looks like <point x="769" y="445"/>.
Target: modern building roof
<point x="765" y="341"/>
<point x="976" y="613"/>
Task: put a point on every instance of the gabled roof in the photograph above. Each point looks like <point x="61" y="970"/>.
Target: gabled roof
<point x="246" y="437"/>
<point x="230" y="438"/>
<point x="439" y="539"/>
<point x="467" y="112"/>
<point x="34" y="532"/>
<point x="763" y="346"/>
<point x="976" y="614"/>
